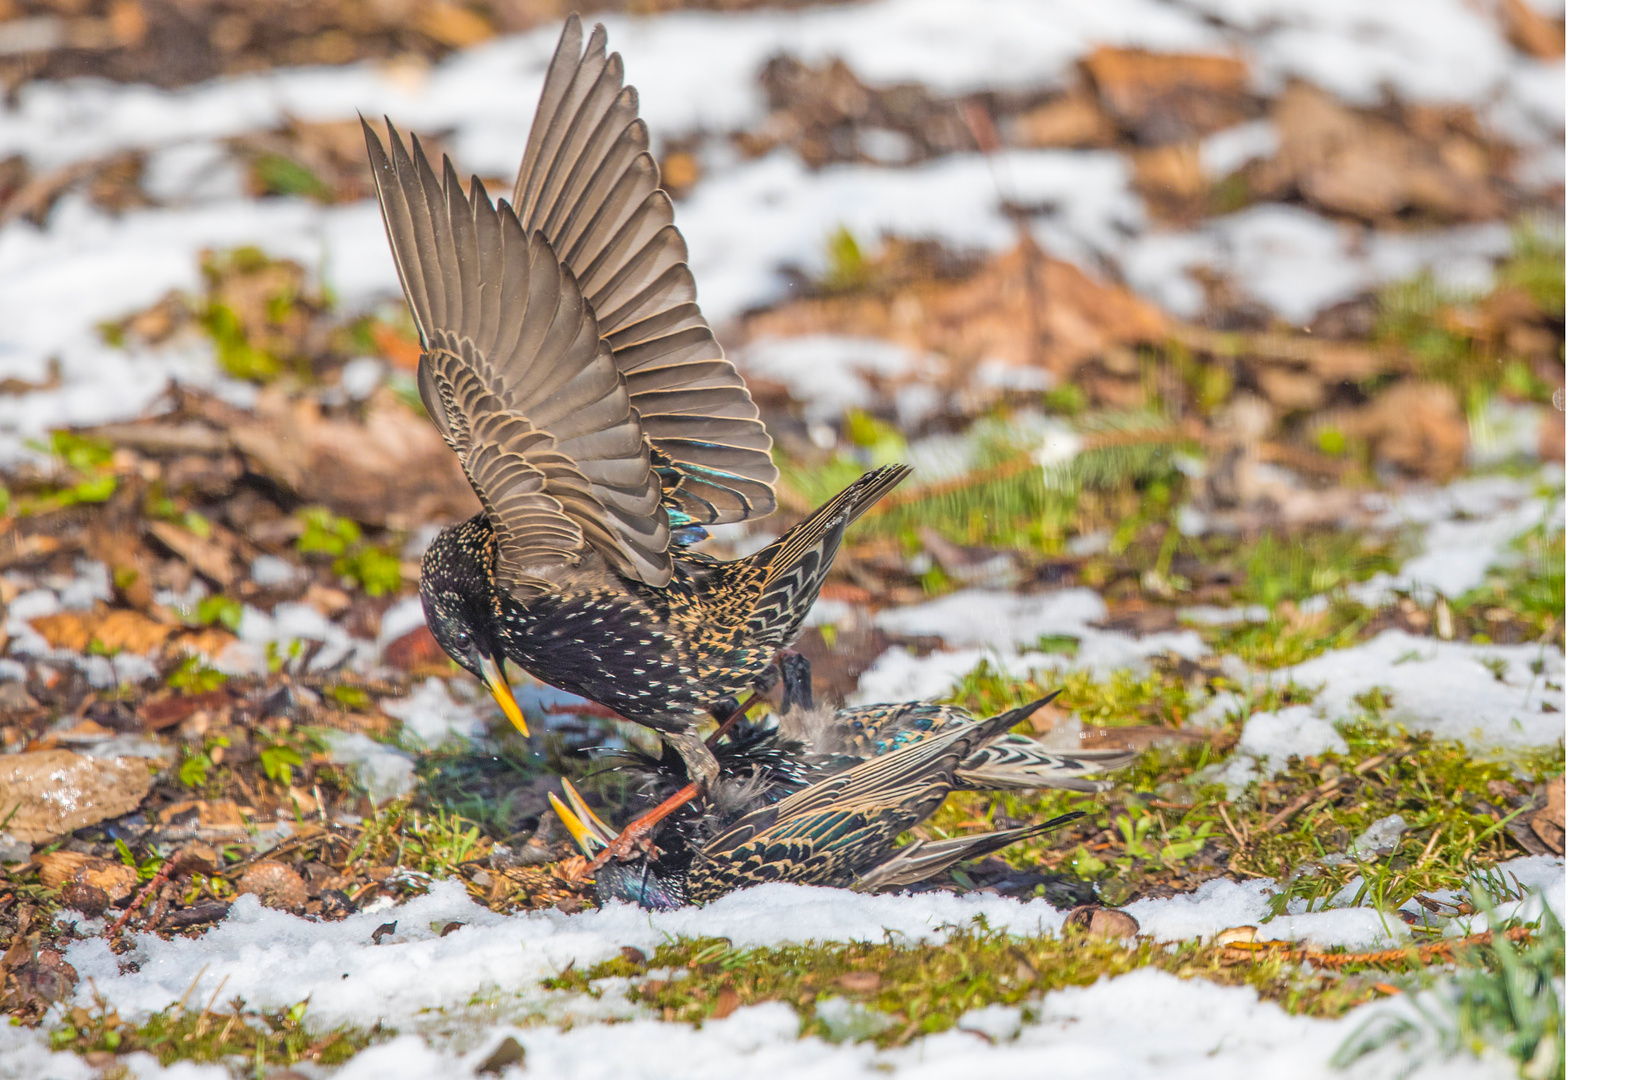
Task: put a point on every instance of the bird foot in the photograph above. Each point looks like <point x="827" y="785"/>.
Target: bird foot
<point x="637" y="835"/>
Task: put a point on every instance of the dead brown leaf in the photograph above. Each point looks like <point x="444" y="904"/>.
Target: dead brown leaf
<point x="1289" y="388"/>
<point x="415" y="651"/>
<point x="221" y="815"/>
<point x="59" y="868"/>
<point x="1170" y="178"/>
<point x="117" y="631"/>
<point x="452" y="25"/>
<point x="1023" y="308"/>
<point x="1170" y="97"/>
<point x="1417" y="427"/>
<point x="392" y="469"/>
<point x="1353" y="163"/>
<point x="1536" y="34"/>
<point x="397" y="349"/>
<point x="203" y="554"/>
<point x="1072" y="122"/>
<point x="1548" y="822"/>
<point x="158" y="714"/>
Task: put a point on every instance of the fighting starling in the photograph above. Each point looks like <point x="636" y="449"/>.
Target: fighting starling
<point x="773" y="815"/>
<point x="566" y="363"/>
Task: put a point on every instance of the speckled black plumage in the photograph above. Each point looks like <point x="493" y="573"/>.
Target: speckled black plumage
<point x="660" y="656"/>
<point x="565" y="361"/>
<point x="779" y="813"/>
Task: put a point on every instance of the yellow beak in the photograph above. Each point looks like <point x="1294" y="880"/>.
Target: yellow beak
<point x="493" y="676"/>
<point x="606" y="831"/>
<point x="588" y="830"/>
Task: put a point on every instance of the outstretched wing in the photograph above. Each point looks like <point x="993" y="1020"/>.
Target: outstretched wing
<point x="517" y="377"/>
<point x="588" y="183"/>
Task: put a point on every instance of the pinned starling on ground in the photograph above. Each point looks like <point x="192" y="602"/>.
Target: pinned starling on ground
<point x="566" y="363"/>
<point x="777" y="815"/>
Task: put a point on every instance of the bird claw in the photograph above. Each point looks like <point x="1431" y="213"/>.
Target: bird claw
<point x="637" y="835"/>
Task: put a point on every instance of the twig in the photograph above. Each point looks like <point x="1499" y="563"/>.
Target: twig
<point x="1293" y="808"/>
<point x="1330" y="787"/>
<point x="182" y="1004"/>
<point x="142" y="897"/>
<point x="1436" y="950"/>
<point x="1429" y="849"/>
<point x="311" y="834"/>
<point x="1224" y="812"/>
<point x="204" y="1017"/>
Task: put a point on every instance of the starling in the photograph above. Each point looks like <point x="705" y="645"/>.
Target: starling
<point x="775" y="815"/>
<point x="564" y="359"/>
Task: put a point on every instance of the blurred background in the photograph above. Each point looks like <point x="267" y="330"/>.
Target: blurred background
<point x="1222" y="334"/>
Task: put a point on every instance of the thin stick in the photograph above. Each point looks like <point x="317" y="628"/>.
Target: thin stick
<point x="1429" y="850"/>
<point x="1224" y="812"/>
<point x="1436" y="950"/>
<point x="735" y="718"/>
<point x="204" y="1017"/>
<point x="142" y="897"/>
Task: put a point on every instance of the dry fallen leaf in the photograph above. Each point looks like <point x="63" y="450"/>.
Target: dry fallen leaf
<point x="160" y="713"/>
<point x="1349" y="162"/>
<point x="1170" y="97"/>
<point x="392" y="469"/>
<point x="1548" y="822"/>
<point x="1103" y="922"/>
<point x="201" y="553"/>
<point x="1417" y="427"/>
<point x="860" y="982"/>
<point x="59" y="868"/>
<point x="1536" y="34"/>
<point x="1072" y="122"/>
<point x="117" y="631"/>
<point x="1024" y="309"/>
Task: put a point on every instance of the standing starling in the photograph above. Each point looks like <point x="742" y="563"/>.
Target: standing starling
<point x="775" y="816"/>
<point x="565" y="361"/>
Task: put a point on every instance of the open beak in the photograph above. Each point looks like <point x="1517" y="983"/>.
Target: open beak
<point x="590" y="832"/>
<point x="493" y="676"/>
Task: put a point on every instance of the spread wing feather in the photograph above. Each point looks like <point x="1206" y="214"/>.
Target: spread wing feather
<point x="590" y="185"/>
<point x="516" y="376"/>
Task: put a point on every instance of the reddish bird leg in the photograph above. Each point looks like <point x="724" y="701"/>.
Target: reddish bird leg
<point x="638" y="831"/>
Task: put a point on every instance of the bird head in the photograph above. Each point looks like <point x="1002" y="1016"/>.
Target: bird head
<point x="640" y="880"/>
<point x="456" y="592"/>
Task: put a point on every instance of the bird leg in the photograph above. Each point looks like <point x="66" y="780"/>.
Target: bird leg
<point x="795" y="669"/>
<point x="735" y="717"/>
<point x="701" y="766"/>
<point x="637" y="834"/>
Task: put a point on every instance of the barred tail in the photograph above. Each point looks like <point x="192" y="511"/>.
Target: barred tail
<point x="795" y="566"/>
